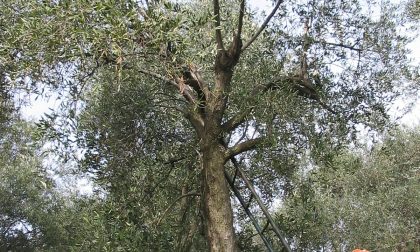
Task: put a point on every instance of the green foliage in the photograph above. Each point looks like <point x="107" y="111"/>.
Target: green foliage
<point x="369" y="201"/>
<point x="140" y="153"/>
<point x="23" y="187"/>
<point x="33" y="214"/>
<point x="413" y="8"/>
<point x="112" y="64"/>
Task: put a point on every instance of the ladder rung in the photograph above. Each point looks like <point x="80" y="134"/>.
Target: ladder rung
<point x="249" y="201"/>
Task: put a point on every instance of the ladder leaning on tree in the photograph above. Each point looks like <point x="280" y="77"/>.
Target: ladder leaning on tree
<point x="239" y="174"/>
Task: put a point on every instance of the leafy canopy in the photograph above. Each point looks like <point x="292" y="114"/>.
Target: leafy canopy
<point x="120" y="67"/>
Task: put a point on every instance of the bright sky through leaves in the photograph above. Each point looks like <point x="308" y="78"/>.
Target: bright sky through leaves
<point x="41" y="105"/>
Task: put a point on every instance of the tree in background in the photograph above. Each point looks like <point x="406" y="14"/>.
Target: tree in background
<point x="34" y="214"/>
<point x="413" y="8"/>
<point x="161" y="97"/>
<point x="23" y="186"/>
<point x="368" y="200"/>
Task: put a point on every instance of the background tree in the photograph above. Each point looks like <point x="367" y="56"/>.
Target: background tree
<point x="156" y="87"/>
<point x="34" y="214"/>
<point x="413" y="8"/>
<point x="366" y="200"/>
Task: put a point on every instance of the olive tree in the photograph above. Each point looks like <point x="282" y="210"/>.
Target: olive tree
<point x="203" y="82"/>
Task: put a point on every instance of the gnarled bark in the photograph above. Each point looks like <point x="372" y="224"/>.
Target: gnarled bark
<point x="216" y="201"/>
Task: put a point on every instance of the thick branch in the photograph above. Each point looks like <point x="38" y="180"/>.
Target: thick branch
<point x="216" y="12"/>
<point x="236" y="46"/>
<point x="242" y="147"/>
<point x="241" y="18"/>
<point x="203" y="85"/>
<point x="196" y="120"/>
<point x="266" y="21"/>
<point x="194" y="79"/>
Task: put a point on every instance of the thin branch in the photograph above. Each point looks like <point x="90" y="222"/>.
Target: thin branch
<point x="236" y="120"/>
<point x="216" y="12"/>
<point x="164" y="178"/>
<point x="245" y="130"/>
<point x="172" y="205"/>
<point x="10" y="226"/>
<point x="172" y="161"/>
<point x="170" y="109"/>
<point x="303" y="89"/>
<point x="267" y="20"/>
<point x="304" y="61"/>
<point x="262" y="231"/>
<point x="270" y="126"/>
<point x="340" y="45"/>
<point x="242" y="147"/>
<point x="239" y="118"/>
<point x="325" y="106"/>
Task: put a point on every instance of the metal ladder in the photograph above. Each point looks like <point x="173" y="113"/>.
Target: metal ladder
<point x="239" y="174"/>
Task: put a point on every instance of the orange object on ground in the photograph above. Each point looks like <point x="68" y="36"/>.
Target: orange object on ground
<point x="360" y="250"/>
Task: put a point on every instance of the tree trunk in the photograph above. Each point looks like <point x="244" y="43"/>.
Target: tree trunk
<point x="216" y="200"/>
<point x="217" y="209"/>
